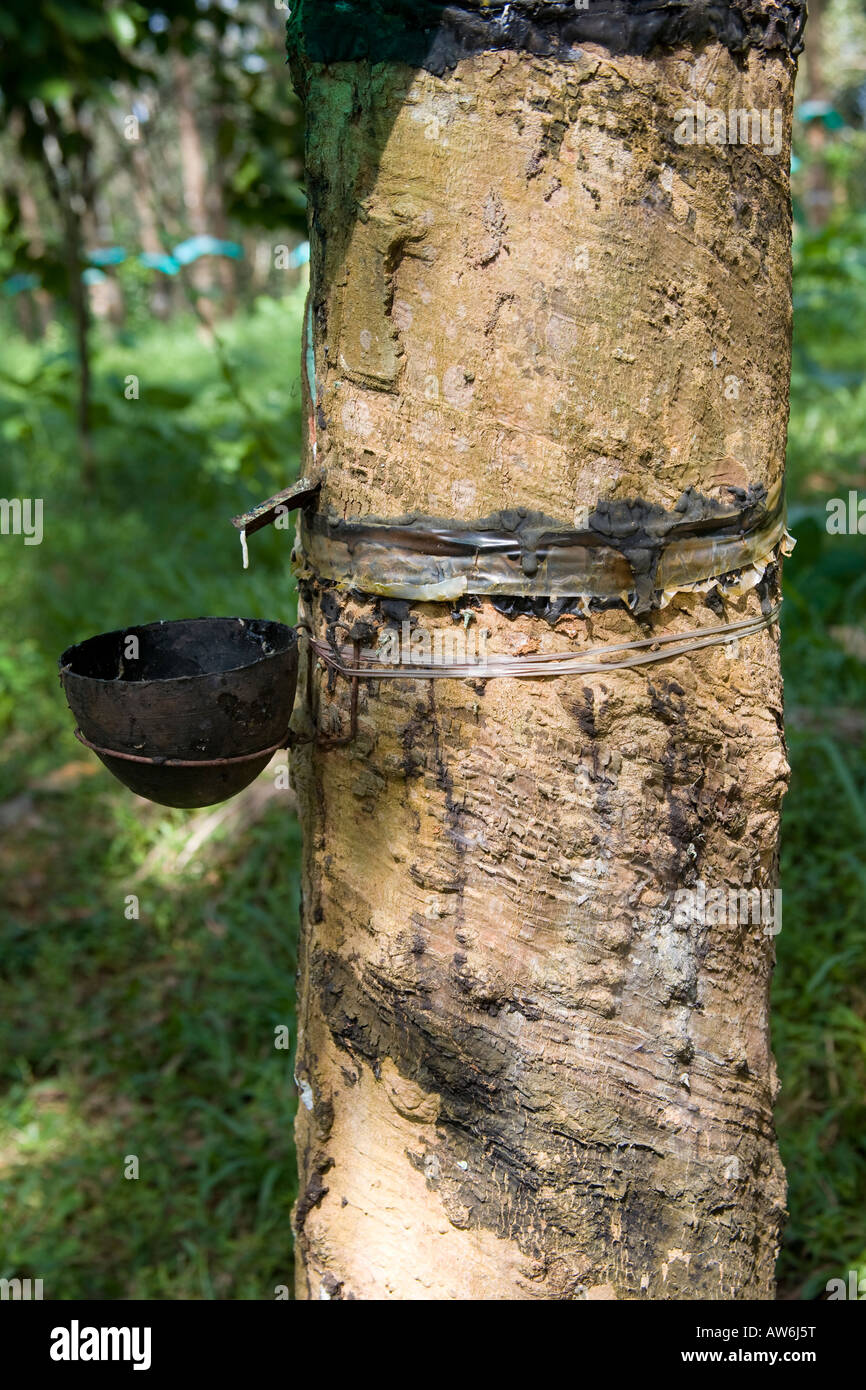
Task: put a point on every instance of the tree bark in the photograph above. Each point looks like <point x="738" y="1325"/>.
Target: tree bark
<point x="70" y="184"/>
<point x="520" y="1076"/>
<point x="202" y="273"/>
<point x="818" y="195"/>
<point x="145" y="202"/>
<point x="36" y="308"/>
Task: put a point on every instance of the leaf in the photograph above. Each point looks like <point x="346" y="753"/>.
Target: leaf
<point x="123" y="28"/>
<point x="82" y="24"/>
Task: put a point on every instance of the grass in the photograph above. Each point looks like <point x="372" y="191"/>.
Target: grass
<point x="819" y="990"/>
<point x="149" y="1039"/>
<point x="155" y="1037"/>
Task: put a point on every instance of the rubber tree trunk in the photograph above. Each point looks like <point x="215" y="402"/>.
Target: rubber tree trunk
<point x="521" y="1077"/>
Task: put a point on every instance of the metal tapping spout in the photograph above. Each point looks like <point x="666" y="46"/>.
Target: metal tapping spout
<point x="301" y="494"/>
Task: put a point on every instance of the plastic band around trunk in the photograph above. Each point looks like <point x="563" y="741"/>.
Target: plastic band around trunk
<point x="640" y="565"/>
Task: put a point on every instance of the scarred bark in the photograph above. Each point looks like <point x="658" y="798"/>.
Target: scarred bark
<point x="521" y="1076"/>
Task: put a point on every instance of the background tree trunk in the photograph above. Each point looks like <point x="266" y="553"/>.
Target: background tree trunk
<point x="66" y="155"/>
<point x="519" y="1077"/>
<point x="193" y="161"/>
<point x="151" y="235"/>
<point x="818" y="195"/>
<point x="35" y="307"/>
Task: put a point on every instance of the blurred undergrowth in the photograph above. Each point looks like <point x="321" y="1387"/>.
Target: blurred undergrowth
<point x="153" y="1037"/>
<point x="819" y="992"/>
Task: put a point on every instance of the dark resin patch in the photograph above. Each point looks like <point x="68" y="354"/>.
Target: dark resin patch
<point x="529" y="560"/>
<point x="435" y="35"/>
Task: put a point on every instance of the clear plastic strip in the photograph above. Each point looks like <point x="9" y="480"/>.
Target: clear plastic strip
<point x="641" y="653"/>
<point x="424" y="565"/>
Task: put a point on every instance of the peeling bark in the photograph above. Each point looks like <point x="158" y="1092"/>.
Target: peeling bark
<point x="522" y="1077"/>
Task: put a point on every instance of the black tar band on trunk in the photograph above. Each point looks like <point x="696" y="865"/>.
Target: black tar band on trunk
<point x="433" y="35"/>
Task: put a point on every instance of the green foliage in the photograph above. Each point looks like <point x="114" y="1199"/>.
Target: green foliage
<point x="152" y="536"/>
<point x="152" y="1037"/>
<point x="56" y="52"/>
<point x="819" y="992"/>
<point x="70" y="77"/>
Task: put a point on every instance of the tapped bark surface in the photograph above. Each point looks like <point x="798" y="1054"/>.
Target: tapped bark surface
<point x="522" y="1075"/>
